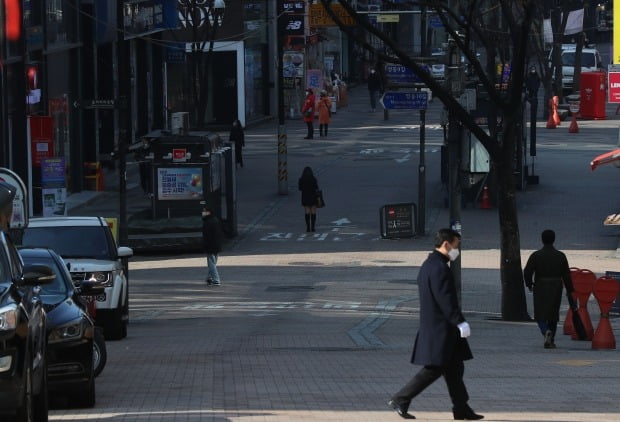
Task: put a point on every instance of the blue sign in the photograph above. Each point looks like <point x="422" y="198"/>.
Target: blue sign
<point x="435" y="22"/>
<point x="399" y="74"/>
<point x="405" y="100"/>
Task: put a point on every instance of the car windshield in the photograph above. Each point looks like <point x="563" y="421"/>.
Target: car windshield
<point x="57" y="289"/>
<point x="587" y="59"/>
<point x="69" y="242"/>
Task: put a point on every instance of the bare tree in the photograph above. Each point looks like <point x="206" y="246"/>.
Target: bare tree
<point x="201" y="20"/>
<point x="502" y="29"/>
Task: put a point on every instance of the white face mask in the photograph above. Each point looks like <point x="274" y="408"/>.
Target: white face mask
<point x="204" y="214"/>
<point x="453" y="254"/>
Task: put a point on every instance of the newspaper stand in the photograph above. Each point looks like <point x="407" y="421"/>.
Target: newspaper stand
<point x="183" y="172"/>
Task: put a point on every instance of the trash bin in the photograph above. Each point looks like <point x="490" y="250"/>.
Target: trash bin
<point x="593" y="95"/>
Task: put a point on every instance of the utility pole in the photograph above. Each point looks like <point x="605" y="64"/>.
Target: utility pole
<point x="123" y="92"/>
<point x="282" y="139"/>
<point x="422" y="176"/>
<point x="454" y="155"/>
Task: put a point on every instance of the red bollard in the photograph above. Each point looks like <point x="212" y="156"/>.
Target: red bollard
<point x="569" y="329"/>
<point x="485" y="199"/>
<point x="605" y="291"/>
<point x="583" y="282"/>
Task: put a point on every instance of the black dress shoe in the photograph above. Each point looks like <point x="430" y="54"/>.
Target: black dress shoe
<point x="401" y="411"/>
<point x="466" y="414"/>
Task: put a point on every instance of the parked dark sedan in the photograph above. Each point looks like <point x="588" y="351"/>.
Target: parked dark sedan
<point x="23" y="385"/>
<point x="70" y="332"/>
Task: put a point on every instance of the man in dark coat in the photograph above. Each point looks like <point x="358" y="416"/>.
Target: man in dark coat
<point x="440" y="345"/>
<point x="550" y="270"/>
<point x="374" y="87"/>
<point x="212" y="238"/>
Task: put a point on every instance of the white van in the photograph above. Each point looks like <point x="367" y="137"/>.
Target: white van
<point x="590" y="62"/>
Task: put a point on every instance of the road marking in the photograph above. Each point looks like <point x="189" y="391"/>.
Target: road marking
<point x="363" y="333"/>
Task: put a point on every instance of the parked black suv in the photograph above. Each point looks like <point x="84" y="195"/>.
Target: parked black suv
<point x="23" y="369"/>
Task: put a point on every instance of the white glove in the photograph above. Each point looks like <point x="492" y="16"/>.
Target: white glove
<point x="464" y="329"/>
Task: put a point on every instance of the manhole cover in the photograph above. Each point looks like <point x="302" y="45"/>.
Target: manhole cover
<point x="305" y="263"/>
<point x="293" y="288"/>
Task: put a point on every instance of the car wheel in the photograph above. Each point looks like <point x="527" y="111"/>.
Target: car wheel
<point x="100" y="353"/>
<point x="115" y="327"/>
<point x="24" y="412"/>
<point x="86" y="396"/>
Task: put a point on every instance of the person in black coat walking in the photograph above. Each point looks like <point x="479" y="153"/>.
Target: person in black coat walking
<point x="374" y="87"/>
<point x="308" y="186"/>
<point x="238" y="138"/>
<point x="550" y="270"/>
<point x="212" y="238"/>
<point x="440" y="345"/>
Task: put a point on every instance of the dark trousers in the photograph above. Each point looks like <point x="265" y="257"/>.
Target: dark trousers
<point x="544" y="325"/>
<point x="310" y="129"/>
<point x="452" y="373"/>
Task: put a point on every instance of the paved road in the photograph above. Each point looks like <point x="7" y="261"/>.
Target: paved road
<point x="319" y="327"/>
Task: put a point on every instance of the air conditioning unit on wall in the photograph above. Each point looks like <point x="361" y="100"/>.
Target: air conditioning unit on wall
<point x="179" y="123"/>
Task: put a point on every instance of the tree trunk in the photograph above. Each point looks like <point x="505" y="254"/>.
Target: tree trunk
<point x="514" y="305"/>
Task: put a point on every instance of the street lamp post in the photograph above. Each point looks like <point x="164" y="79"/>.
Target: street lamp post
<point x="282" y="139"/>
<point x="454" y="153"/>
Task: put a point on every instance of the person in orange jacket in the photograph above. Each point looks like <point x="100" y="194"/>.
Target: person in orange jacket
<point x="307" y="110"/>
<point x="324" y="107"/>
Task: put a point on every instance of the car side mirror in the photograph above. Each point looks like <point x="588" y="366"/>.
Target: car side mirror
<point x="34" y="275"/>
<point x="88" y="288"/>
<point x="124" y="252"/>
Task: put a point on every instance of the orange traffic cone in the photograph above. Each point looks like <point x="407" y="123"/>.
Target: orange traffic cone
<point x="556" y="107"/>
<point x="485" y="200"/>
<point x="551" y="122"/>
<point x="573" y="128"/>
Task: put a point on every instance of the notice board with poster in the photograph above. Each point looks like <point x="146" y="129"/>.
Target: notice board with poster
<point x="398" y="220"/>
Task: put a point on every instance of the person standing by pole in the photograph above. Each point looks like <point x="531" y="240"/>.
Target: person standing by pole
<point x="307" y="110"/>
<point x="238" y="138"/>
<point x="324" y="107"/>
<point x="549" y="268"/>
<point x="374" y="87"/>
<point x="441" y="343"/>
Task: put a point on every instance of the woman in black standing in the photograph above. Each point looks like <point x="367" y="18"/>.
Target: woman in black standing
<point x="308" y="187"/>
<point x="237" y="137"/>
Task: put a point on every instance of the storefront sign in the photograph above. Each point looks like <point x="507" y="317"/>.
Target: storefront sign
<point x="142" y="17"/>
<point x="41" y="138"/>
<point x="179" y="183"/>
<point x="320" y="17"/>
<point x="613" y="78"/>
<point x="298" y="6"/>
<point x="53" y="183"/>
<point x="293" y="70"/>
<point x="388" y="18"/>
<point x="314" y="79"/>
<point x="398" y="220"/>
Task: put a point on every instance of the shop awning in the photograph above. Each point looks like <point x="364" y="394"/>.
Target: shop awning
<point x="608" y="157"/>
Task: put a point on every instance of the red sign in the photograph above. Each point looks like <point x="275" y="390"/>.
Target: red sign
<point x="614" y="87"/>
<point x="178" y="154"/>
<point x="41" y="138"/>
